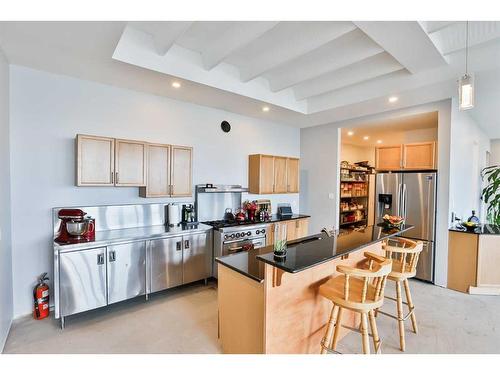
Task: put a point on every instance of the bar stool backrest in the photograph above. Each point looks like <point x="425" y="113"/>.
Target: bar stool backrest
<point x="376" y="274"/>
<point x="405" y="255"/>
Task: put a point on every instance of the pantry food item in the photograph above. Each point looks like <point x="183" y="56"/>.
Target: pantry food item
<point x="394" y="221"/>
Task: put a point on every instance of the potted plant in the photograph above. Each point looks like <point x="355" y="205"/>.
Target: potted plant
<point x="491" y="193"/>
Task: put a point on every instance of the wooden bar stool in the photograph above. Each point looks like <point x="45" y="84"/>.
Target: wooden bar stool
<point x="358" y="290"/>
<point x="404" y="254"/>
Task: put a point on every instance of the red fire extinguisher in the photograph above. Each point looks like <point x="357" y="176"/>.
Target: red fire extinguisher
<point x="41" y="297"/>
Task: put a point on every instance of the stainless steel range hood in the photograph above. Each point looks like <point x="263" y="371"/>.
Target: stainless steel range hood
<point x="211" y="188"/>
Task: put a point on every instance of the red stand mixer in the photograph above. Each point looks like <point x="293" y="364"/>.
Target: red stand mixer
<point x="75" y="227"/>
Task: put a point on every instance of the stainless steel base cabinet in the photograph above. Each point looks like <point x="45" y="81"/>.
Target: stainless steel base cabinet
<point x="82" y="283"/>
<point x="165" y="263"/>
<point x="197" y="260"/>
<point x="126" y="267"/>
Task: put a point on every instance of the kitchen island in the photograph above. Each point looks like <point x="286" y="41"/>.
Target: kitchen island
<point x="474" y="260"/>
<point x="272" y="305"/>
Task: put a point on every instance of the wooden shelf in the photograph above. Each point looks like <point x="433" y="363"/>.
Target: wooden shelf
<point x="353" y="222"/>
<point x="357" y="209"/>
<point x="364" y="182"/>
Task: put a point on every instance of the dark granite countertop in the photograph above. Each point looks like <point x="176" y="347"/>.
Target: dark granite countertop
<point x="307" y="252"/>
<point x="482" y="229"/>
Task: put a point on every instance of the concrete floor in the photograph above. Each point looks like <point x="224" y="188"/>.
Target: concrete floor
<point x="184" y="320"/>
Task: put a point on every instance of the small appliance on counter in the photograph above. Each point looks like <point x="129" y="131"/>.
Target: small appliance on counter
<point x="75" y="226"/>
<point x="188" y="214"/>
<point x="285" y="210"/>
<point x="173" y="215"/>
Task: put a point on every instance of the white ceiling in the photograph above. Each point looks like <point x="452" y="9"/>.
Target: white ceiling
<point x="387" y="129"/>
<point x="308" y="73"/>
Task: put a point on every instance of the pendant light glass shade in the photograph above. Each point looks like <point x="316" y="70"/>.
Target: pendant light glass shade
<point x="466" y="92"/>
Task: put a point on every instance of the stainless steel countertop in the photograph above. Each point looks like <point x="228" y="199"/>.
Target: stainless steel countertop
<point x="110" y="237"/>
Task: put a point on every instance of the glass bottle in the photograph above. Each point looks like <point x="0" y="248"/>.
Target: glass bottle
<point x="473" y="218"/>
<point x="279" y="240"/>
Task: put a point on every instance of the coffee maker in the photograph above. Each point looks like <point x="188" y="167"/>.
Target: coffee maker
<point x="75" y="227"/>
<point x="188" y="216"/>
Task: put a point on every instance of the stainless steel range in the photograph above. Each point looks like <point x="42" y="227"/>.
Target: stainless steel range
<point x="231" y="238"/>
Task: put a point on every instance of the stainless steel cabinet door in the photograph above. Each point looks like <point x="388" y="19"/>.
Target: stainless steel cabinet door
<point x="82" y="280"/>
<point x="197" y="257"/>
<point x="126" y="271"/>
<point x="165" y="263"/>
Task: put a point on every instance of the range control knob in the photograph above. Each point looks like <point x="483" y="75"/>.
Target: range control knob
<point x="237" y="235"/>
<point x="242" y="234"/>
<point x="226" y="237"/>
<point x="232" y="235"/>
<point x="257" y="231"/>
<point x="249" y="233"/>
<point x="263" y="231"/>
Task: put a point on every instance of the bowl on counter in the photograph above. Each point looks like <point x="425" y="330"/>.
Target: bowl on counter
<point x="393" y="221"/>
<point x="469" y="226"/>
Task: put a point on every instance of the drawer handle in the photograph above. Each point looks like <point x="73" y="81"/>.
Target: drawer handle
<point x="179" y="246"/>
<point x="186" y="244"/>
<point x="112" y="256"/>
<point x="100" y="259"/>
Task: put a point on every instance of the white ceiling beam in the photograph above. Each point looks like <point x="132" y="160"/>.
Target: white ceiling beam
<point x="164" y="33"/>
<point x="407" y="42"/>
<point x="236" y="37"/>
<point x="285" y="42"/>
<point x="345" y="50"/>
<point x="364" y="70"/>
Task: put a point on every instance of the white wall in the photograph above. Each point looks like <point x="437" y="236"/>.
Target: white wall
<point x="48" y="110"/>
<point x="469" y="144"/>
<point x="495" y="152"/>
<point x="319" y="175"/>
<point x="319" y="171"/>
<point x="355" y="154"/>
<point x="5" y="212"/>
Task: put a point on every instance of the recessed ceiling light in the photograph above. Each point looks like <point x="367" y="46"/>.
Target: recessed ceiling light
<point x="349" y="133"/>
<point x="265" y="109"/>
<point x="176" y="85"/>
<point x="393" y="99"/>
<point x="379" y="141"/>
<point x="366" y="138"/>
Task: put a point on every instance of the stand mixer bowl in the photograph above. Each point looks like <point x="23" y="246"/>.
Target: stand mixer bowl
<point x="77" y="228"/>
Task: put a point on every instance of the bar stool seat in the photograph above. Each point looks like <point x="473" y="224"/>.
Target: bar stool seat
<point x="360" y="290"/>
<point x="333" y="289"/>
<point x="404" y="254"/>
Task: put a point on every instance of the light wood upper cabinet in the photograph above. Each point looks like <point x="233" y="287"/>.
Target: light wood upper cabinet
<point x="130" y="163"/>
<point x="181" y="172"/>
<point x="293" y="171"/>
<point x="268" y="174"/>
<point x="413" y="156"/>
<point x="419" y="155"/>
<point x="388" y="158"/>
<point x="280" y="174"/>
<point x="158" y="168"/>
<point x="95" y="161"/>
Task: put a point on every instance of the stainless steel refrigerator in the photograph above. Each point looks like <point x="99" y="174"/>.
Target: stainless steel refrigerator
<point x="413" y="196"/>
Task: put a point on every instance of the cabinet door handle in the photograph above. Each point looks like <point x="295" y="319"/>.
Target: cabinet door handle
<point x="179" y="245"/>
<point x="116" y="178"/>
<point x="112" y="256"/>
<point x="100" y="259"/>
<point x="112" y="177"/>
<point x="186" y="244"/>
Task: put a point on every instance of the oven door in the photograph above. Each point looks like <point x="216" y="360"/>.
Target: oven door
<point x="236" y="246"/>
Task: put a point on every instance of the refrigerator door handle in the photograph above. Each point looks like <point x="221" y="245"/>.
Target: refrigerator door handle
<point x="404" y="199"/>
<point x="399" y="200"/>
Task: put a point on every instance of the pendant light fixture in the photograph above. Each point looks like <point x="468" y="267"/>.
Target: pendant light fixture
<point x="466" y="82"/>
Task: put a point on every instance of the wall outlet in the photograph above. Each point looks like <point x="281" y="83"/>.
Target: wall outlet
<point x="331" y="196"/>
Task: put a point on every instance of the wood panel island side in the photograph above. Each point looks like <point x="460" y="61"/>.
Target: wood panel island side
<point x="271" y="305"/>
